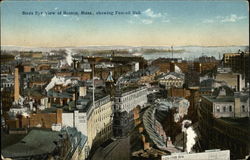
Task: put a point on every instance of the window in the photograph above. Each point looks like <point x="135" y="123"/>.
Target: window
<point x="243" y="108"/>
<point x="218" y="109"/>
<point x="230" y="108"/>
<point x="224" y="109"/>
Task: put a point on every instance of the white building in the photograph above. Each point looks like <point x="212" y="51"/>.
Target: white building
<point x="171" y="79"/>
<point x="125" y="102"/>
<point x="207" y="155"/>
<point x="224" y="104"/>
<point x="94" y="121"/>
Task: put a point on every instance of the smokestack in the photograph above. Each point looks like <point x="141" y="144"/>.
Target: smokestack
<point x="17" y="87"/>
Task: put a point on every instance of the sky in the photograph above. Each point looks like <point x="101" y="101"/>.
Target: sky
<point x="154" y="23"/>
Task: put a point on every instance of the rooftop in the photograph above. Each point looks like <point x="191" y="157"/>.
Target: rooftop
<point x="32" y="145"/>
<point x="243" y="98"/>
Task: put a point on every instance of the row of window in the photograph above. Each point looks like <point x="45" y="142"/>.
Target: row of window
<point x="101" y="109"/>
<point x="101" y="102"/>
<point x="7" y="84"/>
<point x="101" y="118"/>
<point x="224" y="109"/>
<point x="106" y="129"/>
<point x="173" y="83"/>
<point x="132" y="96"/>
<point x="229" y="109"/>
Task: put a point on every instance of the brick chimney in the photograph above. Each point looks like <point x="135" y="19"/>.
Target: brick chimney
<point x="16" y="87"/>
<point x="59" y="116"/>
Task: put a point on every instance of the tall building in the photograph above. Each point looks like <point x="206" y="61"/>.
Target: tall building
<point x="125" y="101"/>
<point x="94" y="121"/>
<point x="239" y="62"/>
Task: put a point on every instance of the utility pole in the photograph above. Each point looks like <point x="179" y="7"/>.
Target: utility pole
<point x="93" y="84"/>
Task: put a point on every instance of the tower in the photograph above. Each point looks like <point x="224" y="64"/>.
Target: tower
<point x="110" y="84"/>
<point x="16" y="87"/>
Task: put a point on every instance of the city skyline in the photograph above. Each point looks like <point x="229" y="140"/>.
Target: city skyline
<point x="165" y="23"/>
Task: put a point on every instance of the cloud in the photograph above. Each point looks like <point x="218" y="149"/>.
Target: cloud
<point x="232" y="18"/>
<point x="148" y="17"/>
<point x="151" y="14"/>
<point x="224" y="19"/>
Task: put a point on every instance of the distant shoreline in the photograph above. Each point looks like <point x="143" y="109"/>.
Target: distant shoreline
<point x="152" y="51"/>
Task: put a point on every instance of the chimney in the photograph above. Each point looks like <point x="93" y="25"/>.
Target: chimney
<point x="82" y="91"/>
<point x="74" y="64"/>
<point x="17" y="87"/>
<point x="236" y="107"/>
<point x="172" y="67"/>
<point x="240" y="82"/>
<point x="59" y="116"/>
<point x="200" y="68"/>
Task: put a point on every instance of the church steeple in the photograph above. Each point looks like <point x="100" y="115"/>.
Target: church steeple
<point x="110" y="84"/>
